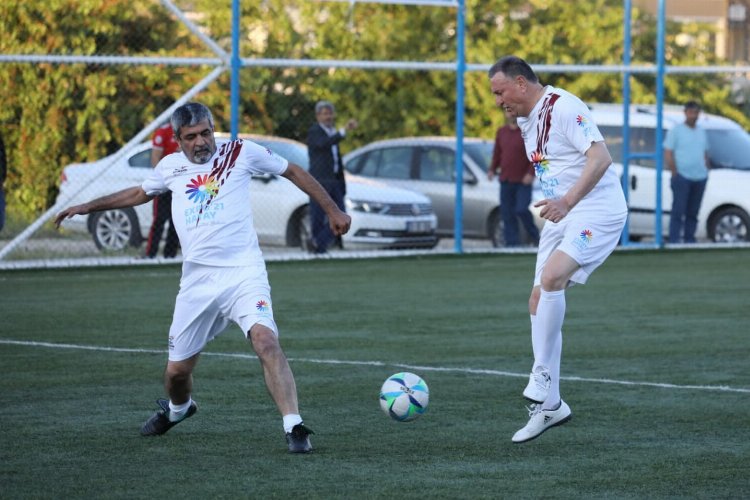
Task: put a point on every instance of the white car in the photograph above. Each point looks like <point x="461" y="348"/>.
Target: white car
<point x="725" y="211"/>
<point x="382" y="216"/>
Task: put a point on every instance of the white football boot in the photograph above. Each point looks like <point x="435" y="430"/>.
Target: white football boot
<point x="538" y="387"/>
<point x="541" y="420"/>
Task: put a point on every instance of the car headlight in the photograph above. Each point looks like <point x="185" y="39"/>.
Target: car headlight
<point x="370" y="207"/>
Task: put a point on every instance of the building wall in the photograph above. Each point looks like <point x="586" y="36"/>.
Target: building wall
<point x="732" y="38"/>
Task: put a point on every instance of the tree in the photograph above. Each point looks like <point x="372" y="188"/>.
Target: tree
<point x="54" y="114"/>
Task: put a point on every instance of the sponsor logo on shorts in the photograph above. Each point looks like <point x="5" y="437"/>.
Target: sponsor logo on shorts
<point x="170" y="342"/>
<point x="262" y="306"/>
<point x="584" y="239"/>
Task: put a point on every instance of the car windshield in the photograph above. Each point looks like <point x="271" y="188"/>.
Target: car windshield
<point x="729" y="149"/>
<point x="294" y="153"/>
<point x="480" y="152"/>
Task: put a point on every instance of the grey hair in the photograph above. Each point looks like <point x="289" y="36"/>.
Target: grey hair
<point x="512" y="66"/>
<point x="188" y="115"/>
<point x="321" y="105"/>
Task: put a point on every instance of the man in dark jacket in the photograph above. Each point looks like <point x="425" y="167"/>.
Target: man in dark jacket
<point x="327" y="168"/>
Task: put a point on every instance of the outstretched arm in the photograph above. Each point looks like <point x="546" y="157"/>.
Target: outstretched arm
<point x="338" y="220"/>
<point x="129" y="197"/>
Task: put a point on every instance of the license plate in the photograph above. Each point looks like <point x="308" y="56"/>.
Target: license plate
<point x="421" y="226"/>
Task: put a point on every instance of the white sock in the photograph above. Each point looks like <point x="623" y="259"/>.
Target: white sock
<point x="550" y="314"/>
<point x="290" y="421"/>
<point x="177" y="412"/>
<point x="553" y="396"/>
<point x="536" y="344"/>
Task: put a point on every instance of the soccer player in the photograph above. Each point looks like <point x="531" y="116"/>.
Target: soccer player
<point x="585" y="213"/>
<point x="223" y="275"/>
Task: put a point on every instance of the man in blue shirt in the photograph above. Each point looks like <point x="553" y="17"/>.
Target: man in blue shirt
<point x="685" y="153"/>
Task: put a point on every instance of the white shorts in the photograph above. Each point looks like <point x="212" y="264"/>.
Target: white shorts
<point x="209" y="298"/>
<point x="588" y="238"/>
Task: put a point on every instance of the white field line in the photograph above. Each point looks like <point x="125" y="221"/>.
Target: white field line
<point x="417" y="368"/>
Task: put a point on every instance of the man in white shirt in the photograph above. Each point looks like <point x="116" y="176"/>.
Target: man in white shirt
<point x="224" y="276"/>
<point x="585" y="213"/>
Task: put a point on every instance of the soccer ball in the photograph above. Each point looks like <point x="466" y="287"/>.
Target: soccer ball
<point x="404" y="396"/>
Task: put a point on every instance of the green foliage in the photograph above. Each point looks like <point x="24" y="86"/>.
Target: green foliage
<point x="52" y="115"/>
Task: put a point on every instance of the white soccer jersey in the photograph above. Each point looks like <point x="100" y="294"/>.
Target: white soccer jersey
<point x="557" y="133"/>
<point x="211" y="202"/>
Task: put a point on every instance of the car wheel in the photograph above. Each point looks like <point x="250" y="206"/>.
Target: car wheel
<point x="729" y="225"/>
<point x="495" y="229"/>
<point x="298" y="231"/>
<point x="115" y="229"/>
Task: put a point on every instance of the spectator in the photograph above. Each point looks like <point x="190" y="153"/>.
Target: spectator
<point x="327" y="168"/>
<point x="686" y="156"/>
<point x="516" y="175"/>
<point x="163" y="143"/>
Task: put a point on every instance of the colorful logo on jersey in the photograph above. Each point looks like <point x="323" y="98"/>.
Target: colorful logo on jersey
<point x="585" y="124"/>
<point x="583" y="239"/>
<point x="541" y="165"/>
<point x="262" y="306"/>
<point x="201" y="189"/>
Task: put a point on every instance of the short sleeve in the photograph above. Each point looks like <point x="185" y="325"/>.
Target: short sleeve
<point x="154" y="184"/>
<point x="669" y="140"/>
<point x="263" y="160"/>
<point x="579" y="127"/>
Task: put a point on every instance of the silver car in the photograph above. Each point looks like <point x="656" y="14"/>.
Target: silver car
<point x="427" y="165"/>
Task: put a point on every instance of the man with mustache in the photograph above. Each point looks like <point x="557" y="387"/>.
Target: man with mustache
<point x="224" y="276"/>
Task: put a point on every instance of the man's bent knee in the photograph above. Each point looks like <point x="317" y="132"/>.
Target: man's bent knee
<point x="557" y="271"/>
<point x="181" y="369"/>
<point x="264" y="340"/>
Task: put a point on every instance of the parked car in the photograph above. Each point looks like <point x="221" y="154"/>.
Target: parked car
<point x="725" y="211"/>
<point x="427" y="165"/>
<point x="382" y="216"/>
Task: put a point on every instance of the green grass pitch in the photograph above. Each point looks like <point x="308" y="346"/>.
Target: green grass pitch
<point x="655" y="367"/>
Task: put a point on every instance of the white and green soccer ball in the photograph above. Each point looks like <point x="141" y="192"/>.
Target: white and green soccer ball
<point x="404" y="396"/>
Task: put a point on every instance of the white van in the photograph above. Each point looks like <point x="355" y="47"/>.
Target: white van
<point x="725" y="211"/>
